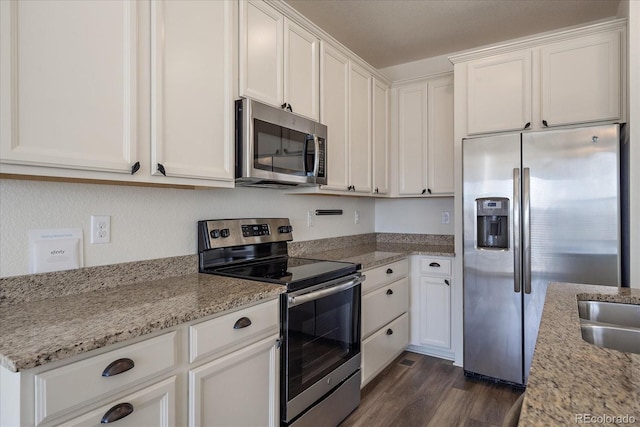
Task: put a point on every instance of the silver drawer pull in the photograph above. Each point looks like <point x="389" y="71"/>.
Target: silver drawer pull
<point x="117" y="367"/>
<point x="242" y="322"/>
<point x="434" y="264"/>
<point x="116" y="413"/>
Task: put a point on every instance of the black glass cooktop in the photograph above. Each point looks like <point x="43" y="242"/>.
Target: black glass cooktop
<point x="295" y="273"/>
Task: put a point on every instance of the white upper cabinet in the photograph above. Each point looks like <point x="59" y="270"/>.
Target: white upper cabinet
<point x="566" y="78"/>
<point x="360" y="150"/>
<point x="425" y="137"/>
<point x="440" y="136"/>
<point x="412" y="139"/>
<point x="380" y="137"/>
<point x="335" y="115"/>
<point x="68" y="81"/>
<point x="580" y="79"/>
<point x="192" y="89"/>
<point x="279" y="60"/>
<point x="499" y="93"/>
<point x="301" y="70"/>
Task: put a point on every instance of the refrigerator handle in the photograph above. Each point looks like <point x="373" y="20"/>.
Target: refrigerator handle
<point x="526" y="235"/>
<point x="516" y="231"/>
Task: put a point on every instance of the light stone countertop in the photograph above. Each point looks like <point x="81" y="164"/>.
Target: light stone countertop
<point x="38" y="332"/>
<point x="376" y="254"/>
<point x="571" y="378"/>
<point x="113" y="305"/>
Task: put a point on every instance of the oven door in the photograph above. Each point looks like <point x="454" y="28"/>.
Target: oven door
<point x="322" y="342"/>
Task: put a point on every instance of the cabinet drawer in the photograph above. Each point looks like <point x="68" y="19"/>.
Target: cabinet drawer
<point x="435" y="266"/>
<point x="73" y="385"/>
<point x="383" y="305"/>
<point x="380" y="348"/>
<point x="388" y="273"/>
<point x="151" y="406"/>
<point x="238" y="328"/>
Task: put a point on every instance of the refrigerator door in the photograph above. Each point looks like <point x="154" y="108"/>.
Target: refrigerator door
<point x="572" y="235"/>
<point x="492" y="298"/>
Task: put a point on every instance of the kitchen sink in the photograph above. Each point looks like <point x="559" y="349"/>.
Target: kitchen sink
<point x="613" y="337"/>
<point x="610" y="312"/>
<point x="611" y="325"/>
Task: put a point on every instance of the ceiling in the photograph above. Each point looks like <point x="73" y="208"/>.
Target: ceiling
<point x="392" y="32"/>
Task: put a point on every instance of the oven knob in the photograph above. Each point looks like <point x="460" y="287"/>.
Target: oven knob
<point x="224" y="232"/>
<point x="246" y="233"/>
<point x="215" y="233"/>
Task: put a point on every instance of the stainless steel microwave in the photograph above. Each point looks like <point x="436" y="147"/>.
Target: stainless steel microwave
<point x="276" y="148"/>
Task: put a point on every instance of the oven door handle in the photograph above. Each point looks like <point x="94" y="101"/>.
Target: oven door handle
<point x="325" y="292"/>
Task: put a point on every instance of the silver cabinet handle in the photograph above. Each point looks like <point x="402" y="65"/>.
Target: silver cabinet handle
<point x="526" y="235"/>
<point x="117" y="367"/>
<point x="117" y="412"/>
<point x="517" y="276"/>
<point x="242" y="322"/>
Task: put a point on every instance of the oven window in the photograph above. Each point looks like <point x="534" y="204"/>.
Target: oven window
<point x="321" y="335"/>
<point x="283" y="150"/>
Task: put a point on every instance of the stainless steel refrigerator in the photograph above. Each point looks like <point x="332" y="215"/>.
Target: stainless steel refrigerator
<point x="538" y="207"/>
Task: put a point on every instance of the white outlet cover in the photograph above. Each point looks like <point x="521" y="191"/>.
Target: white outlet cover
<point x="55" y="250"/>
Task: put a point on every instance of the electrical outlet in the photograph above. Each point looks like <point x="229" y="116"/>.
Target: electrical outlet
<point x="446" y="217"/>
<point x="100" y="229"/>
<point x="310" y="218"/>
<point x="356" y="217"/>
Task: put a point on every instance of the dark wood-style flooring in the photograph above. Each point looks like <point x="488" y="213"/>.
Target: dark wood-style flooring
<point x="430" y="392"/>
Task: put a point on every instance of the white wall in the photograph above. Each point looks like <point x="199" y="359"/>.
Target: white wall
<point x="421" y="216"/>
<point x="149" y="223"/>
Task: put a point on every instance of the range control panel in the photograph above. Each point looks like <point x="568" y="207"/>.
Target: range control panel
<point x="221" y="233"/>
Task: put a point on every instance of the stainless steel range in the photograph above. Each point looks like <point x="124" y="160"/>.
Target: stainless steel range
<point x="320" y="314"/>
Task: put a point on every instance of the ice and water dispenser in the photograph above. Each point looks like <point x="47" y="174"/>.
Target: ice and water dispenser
<point x="492" y="223"/>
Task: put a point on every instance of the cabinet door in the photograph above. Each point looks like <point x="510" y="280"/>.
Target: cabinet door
<point x="412" y="139"/>
<point x="192" y="100"/>
<point x="301" y="70"/>
<point x="359" y="129"/>
<point x="261" y="52"/>
<point x="580" y="79"/>
<point x="499" y="93"/>
<point x="152" y="406"/>
<point x="435" y="312"/>
<point x="239" y="389"/>
<point x="334" y="107"/>
<point x="68" y="84"/>
<point x="440" y="146"/>
<point x="380" y="137"/>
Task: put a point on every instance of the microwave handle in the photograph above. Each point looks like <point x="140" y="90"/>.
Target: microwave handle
<point x="316" y="163"/>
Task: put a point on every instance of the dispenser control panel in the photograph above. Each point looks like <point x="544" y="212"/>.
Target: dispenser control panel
<point x="492" y="223"/>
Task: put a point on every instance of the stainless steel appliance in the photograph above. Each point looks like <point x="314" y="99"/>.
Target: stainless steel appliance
<point x="276" y="148"/>
<point x="320" y="324"/>
<point x="538" y="207"/>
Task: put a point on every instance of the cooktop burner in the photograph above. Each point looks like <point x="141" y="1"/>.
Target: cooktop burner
<point x="294" y="273"/>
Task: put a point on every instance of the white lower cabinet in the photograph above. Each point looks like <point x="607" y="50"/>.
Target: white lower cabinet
<point x="239" y="389"/>
<point x="151" y="406"/>
<point x="431" y="284"/>
<point x="385" y="322"/>
<point x="232" y="381"/>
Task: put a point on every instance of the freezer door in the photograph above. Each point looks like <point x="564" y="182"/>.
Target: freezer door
<point x="573" y="232"/>
<point x="492" y="301"/>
